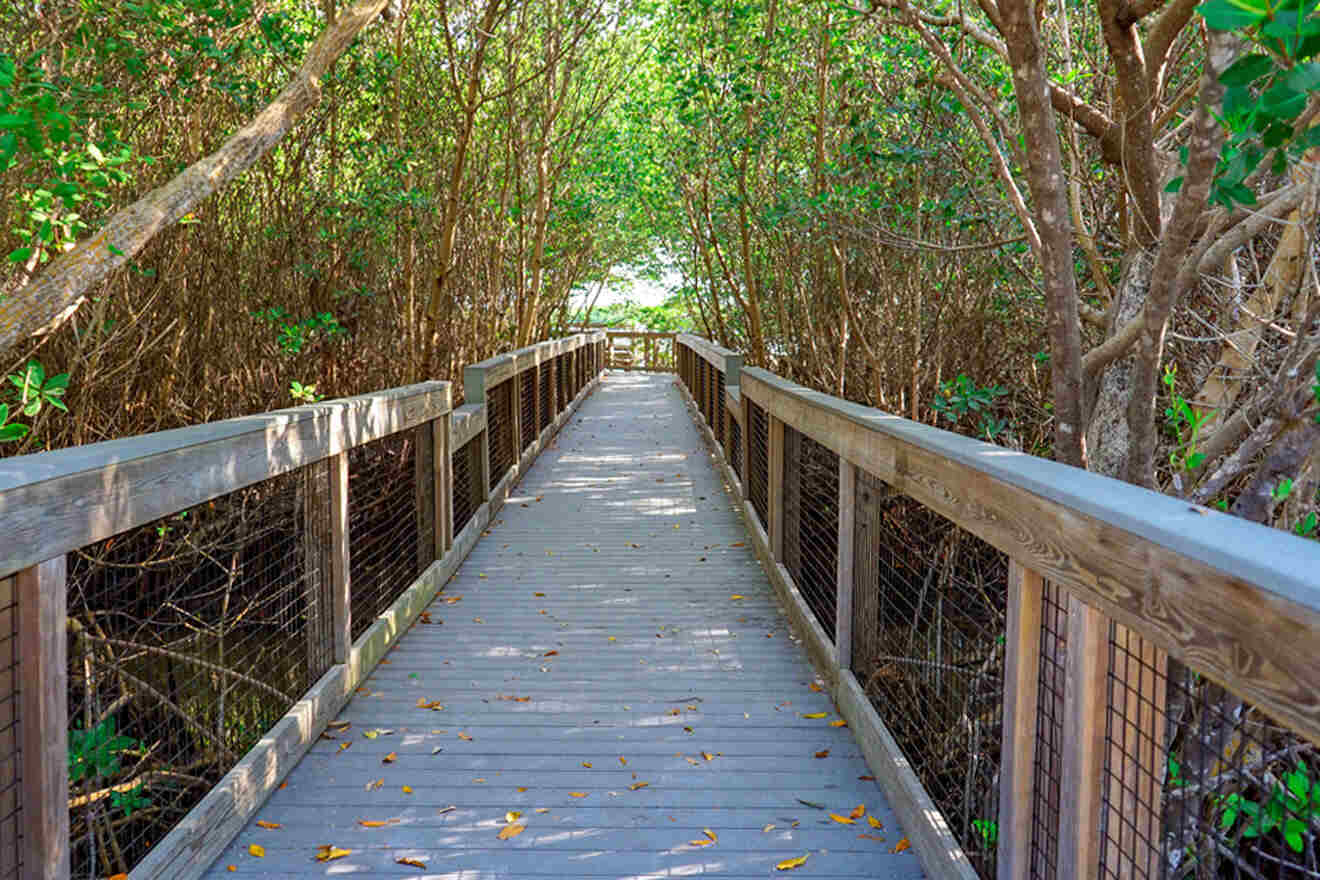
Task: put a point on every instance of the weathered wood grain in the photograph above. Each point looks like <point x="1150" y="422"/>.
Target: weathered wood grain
<point x="341" y="588"/>
<point x="54" y="502"/>
<point x="1082" y="775"/>
<point x="1018" y="748"/>
<point x="44" y="718"/>
<point x="469" y="420"/>
<point x="1235" y="600"/>
<point x="843" y="618"/>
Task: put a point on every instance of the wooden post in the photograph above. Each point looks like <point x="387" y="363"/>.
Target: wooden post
<point x="1082" y="775"/>
<point x="536" y="401"/>
<point x="515" y="418"/>
<point x="340" y="589"/>
<point x="443" y="482"/>
<point x="1137" y="757"/>
<point x="843" y="582"/>
<point x="317" y="555"/>
<point x="869" y="492"/>
<point x="745" y="441"/>
<point x="44" y="718"/>
<point x="424" y="469"/>
<point x="11" y="820"/>
<point x="1017" y="759"/>
<point x="775" y="485"/>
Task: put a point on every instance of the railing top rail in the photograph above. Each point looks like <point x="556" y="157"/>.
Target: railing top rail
<point x="717" y="355"/>
<point x="640" y="334"/>
<point x="494" y="370"/>
<point x="1236" y="599"/>
<point x="54" y="502"/>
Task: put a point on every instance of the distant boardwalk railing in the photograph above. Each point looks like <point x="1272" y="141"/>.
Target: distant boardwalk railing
<point x="1062" y="675"/>
<point x="181" y="613"/>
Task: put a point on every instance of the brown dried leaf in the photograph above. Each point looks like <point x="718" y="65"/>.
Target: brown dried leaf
<point x="262" y="823"/>
<point x="414" y="863"/>
<point x="823" y="753"/>
<point x="637" y="785"/>
<point x="390" y="758"/>
<point x="858" y="812"/>
<point x="508" y="832"/>
<point x="577" y="794"/>
<point x="842" y="820"/>
<point x="901" y="845"/>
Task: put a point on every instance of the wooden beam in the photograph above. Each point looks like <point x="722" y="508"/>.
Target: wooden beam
<point x="443" y="484"/>
<point x="1082" y="778"/>
<point x="843" y="603"/>
<point x="340" y="589"/>
<point x="775" y="485"/>
<point x="1236" y="600"/>
<point x="43" y="718"/>
<point x="1017" y="762"/>
<point x="424" y="501"/>
<point x="318" y="552"/>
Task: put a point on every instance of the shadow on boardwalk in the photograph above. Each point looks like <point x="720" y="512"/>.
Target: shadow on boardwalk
<point x="611" y="664"/>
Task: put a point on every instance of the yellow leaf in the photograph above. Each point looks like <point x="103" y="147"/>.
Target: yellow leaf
<point x="839" y="723"/>
<point x="711" y="835"/>
<point x="767" y="829"/>
<point x="372" y="786"/>
<point x="390" y="758"/>
<point x="613" y="639"/>
<point x="403" y="860"/>
<point x="509" y="832"/>
<point x="702" y="842"/>
<point x="542" y="809"/>
<point x="901" y="845"/>
<point x="637" y="785"/>
<point x="577" y="794"/>
<point x="512" y="816"/>
<point x="815" y="715"/>
<point x="227" y="868"/>
<point x="262" y="823"/>
<point x="693" y="761"/>
<point x="330" y="853"/>
<point x="586" y="764"/>
<point x="790" y="864"/>
<point x="464" y="736"/>
<point x="875" y="823"/>
<point x="343" y="746"/>
<point x="623" y="760"/>
<point x="842" y="820"/>
<point x="815" y="687"/>
<point x="735" y="596"/>
<point x="708" y="756"/>
<point x="858" y="811"/>
<point x="373" y="823"/>
<point x="257" y="850"/>
<point x="407" y="789"/>
<point x="120" y="876"/>
<point x="521" y="788"/>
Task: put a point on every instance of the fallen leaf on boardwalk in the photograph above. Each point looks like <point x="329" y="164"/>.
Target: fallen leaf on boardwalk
<point x="343" y="746"/>
<point x="858" y="811"/>
<point x="375" y="823"/>
<point x="386" y="661"/>
<point x="874" y="822"/>
<point x="735" y="596"/>
<point x="866" y="778"/>
<point x="415" y="863"/>
<point x="637" y="785"/>
<point x="823" y="753"/>
<point x="708" y="756"/>
<point x="450" y="600"/>
<point x="521" y="788"/>
<point x="542" y="809"/>
<point x="842" y="820"/>
<point x="433" y="705"/>
<point x="839" y="723"/>
<point x="407" y="789"/>
<point x="687" y="729"/>
<point x="812" y="804"/>
<point x="425" y="617"/>
<point x="613" y="639"/>
<point x="623" y="760"/>
<point x="577" y="794"/>
<point x="512" y="816"/>
<point x="437" y="750"/>
<point x="120" y="876"/>
<point x="479" y="780"/>
<point x="539" y="595"/>
<point x="815" y="687"/>
<point x="339" y="725"/>
<point x="790" y="864"/>
<point x="693" y="761"/>
<point x="481" y="574"/>
<point x="586" y="764"/>
<point x="711" y="835"/>
<point x="901" y="845"/>
<point x="550" y="654"/>
<point x="257" y="850"/>
<point x="227" y="868"/>
<point x="372" y="786"/>
<point x="262" y="823"/>
<point x="815" y="715"/>
<point x="443" y="810"/>
<point x="330" y="853"/>
<point x="673" y="712"/>
<point x="465" y="737"/>
<point x="738" y="544"/>
<point x="879" y="837"/>
<point x="510" y="831"/>
<point x="390" y="758"/>
<point x="702" y="842"/>
<point x="477" y="620"/>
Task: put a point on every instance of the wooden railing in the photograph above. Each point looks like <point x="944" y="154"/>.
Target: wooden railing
<point x="1054" y="674"/>
<point x="116" y="555"/>
<point x="650" y="350"/>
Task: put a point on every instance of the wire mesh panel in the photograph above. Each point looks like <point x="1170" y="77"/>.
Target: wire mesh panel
<point x="733" y="448"/>
<point x="1200" y="783"/>
<point x="564" y="384"/>
<point x="499" y="430"/>
<point x="466" y="463"/>
<point x="930" y="603"/>
<point x="527" y="409"/>
<point x="545" y="375"/>
<point x="11" y="816"/>
<point x="382" y="525"/>
<point x="1049" y="732"/>
<point x="811" y="523"/>
<point x="719" y="408"/>
<point x="758" y="464"/>
<point x="188" y="638"/>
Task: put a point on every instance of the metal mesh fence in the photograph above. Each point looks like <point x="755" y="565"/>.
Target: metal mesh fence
<point x="1048" y="765"/>
<point x="499" y="430"/>
<point x="811" y="523"/>
<point x="733" y="449"/>
<point x="466" y="465"/>
<point x="564" y="388"/>
<point x="929" y="614"/>
<point x="545" y="375"/>
<point x="719" y="408"/>
<point x="188" y="638"/>
<point x="1200" y="783"/>
<point x="385" y="531"/>
<point x="11" y="816"/>
<point x="758" y="463"/>
<point x="526" y="410"/>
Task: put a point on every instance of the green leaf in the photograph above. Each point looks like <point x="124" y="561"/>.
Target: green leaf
<point x="56" y="384"/>
<point x="1292" y="832"/>
<point x="32" y="407"/>
<point x="114" y="250"/>
<point x="12" y="433"/>
<point x="1231" y="15"/>
<point x="7" y="71"/>
<point x="19" y="255"/>
<point x="1174" y="185"/>
<point x="1247" y="70"/>
<point x="95" y="152"/>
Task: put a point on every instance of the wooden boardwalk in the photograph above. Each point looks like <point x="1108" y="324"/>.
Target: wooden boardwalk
<point x="599" y="674"/>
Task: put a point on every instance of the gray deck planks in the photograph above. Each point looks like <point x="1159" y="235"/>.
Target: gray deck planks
<point x="627" y="470"/>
